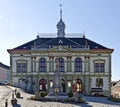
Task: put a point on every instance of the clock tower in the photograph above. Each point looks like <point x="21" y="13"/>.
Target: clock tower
<point x="61" y="26"/>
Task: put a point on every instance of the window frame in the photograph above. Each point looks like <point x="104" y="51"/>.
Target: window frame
<point x="78" y="65"/>
<point x="42" y="65"/>
<point x="21" y="66"/>
<point x="99" y="66"/>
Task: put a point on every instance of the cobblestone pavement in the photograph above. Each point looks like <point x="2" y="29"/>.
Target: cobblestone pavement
<point x="24" y="102"/>
<point x="5" y="93"/>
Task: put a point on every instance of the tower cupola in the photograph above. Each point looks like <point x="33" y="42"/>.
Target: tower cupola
<point x="61" y="25"/>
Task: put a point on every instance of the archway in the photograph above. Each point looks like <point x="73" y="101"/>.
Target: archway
<point x="42" y="85"/>
<point x="79" y="85"/>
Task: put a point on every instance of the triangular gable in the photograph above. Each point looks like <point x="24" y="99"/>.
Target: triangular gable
<point x="60" y="48"/>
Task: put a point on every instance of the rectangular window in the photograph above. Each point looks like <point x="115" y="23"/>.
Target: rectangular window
<point x="99" y="82"/>
<point x="99" y="67"/>
<point x="21" y="67"/>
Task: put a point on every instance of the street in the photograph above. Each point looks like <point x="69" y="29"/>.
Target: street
<point x="6" y="93"/>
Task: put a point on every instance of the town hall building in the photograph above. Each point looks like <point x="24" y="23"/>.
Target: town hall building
<point x="84" y="65"/>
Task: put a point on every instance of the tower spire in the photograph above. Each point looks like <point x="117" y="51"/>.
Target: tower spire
<point x="60" y="11"/>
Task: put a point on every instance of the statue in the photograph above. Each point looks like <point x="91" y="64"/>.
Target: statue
<point x="57" y="78"/>
<point x="57" y="65"/>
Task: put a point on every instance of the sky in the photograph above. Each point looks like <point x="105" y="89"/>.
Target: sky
<point x="22" y="20"/>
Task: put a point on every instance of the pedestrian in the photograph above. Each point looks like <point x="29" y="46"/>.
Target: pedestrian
<point x="15" y="90"/>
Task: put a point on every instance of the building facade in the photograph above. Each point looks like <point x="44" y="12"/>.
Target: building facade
<point x="4" y="72"/>
<point x="115" y="89"/>
<point x="84" y="65"/>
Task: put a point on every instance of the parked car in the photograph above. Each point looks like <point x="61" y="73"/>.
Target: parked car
<point x="5" y="82"/>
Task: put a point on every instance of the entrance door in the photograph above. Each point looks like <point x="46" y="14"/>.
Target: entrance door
<point x="42" y="84"/>
<point x="79" y="85"/>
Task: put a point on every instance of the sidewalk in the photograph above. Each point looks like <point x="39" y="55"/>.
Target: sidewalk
<point x="25" y="102"/>
<point x="91" y="101"/>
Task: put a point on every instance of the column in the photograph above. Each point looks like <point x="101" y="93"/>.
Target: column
<point x="51" y="60"/>
<point x="87" y="74"/>
<point x="69" y="63"/>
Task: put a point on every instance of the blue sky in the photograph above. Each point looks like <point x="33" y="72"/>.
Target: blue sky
<point x="22" y="20"/>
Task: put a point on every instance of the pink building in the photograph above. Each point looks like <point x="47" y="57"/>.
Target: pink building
<point x="4" y="72"/>
<point x="116" y="89"/>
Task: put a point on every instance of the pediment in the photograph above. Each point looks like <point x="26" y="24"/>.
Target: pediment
<point x="60" y="48"/>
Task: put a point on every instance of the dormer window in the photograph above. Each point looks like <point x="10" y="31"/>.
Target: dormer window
<point x="60" y="42"/>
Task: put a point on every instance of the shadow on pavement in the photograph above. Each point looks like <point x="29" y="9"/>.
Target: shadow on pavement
<point x="102" y="100"/>
<point x="17" y="105"/>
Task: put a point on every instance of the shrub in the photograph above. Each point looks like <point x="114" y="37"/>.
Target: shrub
<point x="70" y="94"/>
<point x="114" y="99"/>
<point x="81" y="100"/>
<point x="37" y="95"/>
<point x="43" y="94"/>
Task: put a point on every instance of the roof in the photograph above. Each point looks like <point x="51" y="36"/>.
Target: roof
<point x="49" y="42"/>
<point x="117" y="84"/>
<point x="4" y="66"/>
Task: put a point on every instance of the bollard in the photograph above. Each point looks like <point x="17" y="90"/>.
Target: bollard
<point x="6" y="102"/>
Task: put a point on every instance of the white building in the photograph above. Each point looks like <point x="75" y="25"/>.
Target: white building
<point x="85" y="65"/>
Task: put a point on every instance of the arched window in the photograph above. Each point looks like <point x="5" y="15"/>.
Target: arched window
<point x="42" y="65"/>
<point x="78" y="65"/>
<point x="61" y="64"/>
<point x="77" y="85"/>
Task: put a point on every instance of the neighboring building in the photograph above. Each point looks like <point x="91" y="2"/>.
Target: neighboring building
<point x="85" y="65"/>
<point x="116" y="88"/>
<point x="4" y="72"/>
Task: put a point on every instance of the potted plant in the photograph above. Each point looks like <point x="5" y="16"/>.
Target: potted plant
<point x="70" y="94"/>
